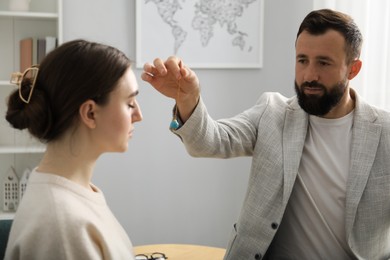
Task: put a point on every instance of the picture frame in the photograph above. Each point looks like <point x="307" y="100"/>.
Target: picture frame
<point x="205" y="34"/>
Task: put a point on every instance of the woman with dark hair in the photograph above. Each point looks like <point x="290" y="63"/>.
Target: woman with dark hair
<point x="81" y="102"/>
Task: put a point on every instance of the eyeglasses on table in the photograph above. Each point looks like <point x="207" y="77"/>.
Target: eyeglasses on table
<point x="154" y="256"/>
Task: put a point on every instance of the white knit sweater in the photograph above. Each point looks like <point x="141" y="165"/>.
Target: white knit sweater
<point x="59" y="219"/>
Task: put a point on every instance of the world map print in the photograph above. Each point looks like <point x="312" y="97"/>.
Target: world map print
<point x="206" y="26"/>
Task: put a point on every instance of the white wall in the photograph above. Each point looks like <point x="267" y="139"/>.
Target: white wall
<point x="158" y="192"/>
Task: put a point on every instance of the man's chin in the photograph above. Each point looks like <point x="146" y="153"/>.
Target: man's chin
<point x="312" y="98"/>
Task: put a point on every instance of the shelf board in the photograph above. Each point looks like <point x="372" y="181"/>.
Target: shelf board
<point x="6" y="215"/>
<point x="12" y="149"/>
<point x="28" y="14"/>
<point x="5" y="83"/>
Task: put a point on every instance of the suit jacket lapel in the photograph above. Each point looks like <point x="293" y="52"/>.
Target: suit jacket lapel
<point x="294" y="134"/>
<point x="365" y="140"/>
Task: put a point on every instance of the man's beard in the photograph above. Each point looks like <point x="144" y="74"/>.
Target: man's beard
<point x="319" y="105"/>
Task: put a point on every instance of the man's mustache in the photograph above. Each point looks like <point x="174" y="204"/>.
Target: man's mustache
<point x="312" y="84"/>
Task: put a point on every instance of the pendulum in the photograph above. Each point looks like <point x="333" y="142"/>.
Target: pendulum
<point x="175" y="123"/>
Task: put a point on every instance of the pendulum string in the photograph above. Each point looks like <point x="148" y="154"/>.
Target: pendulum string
<point x="175" y="124"/>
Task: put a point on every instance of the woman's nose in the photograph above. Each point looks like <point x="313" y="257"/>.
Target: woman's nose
<point x="137" y="114"/>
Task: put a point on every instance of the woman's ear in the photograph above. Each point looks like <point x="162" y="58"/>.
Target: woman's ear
<point x="88" y="113"/>
<point x="355" y="68"/>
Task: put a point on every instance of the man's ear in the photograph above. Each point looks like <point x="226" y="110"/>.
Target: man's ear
<point x="87" y="113"/>
<point x="355" y="68"/>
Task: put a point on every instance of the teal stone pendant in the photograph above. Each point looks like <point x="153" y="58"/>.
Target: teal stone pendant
<point x="174" y="124"/>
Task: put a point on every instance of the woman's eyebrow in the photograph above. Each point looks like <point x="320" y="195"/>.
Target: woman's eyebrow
<point x="134" y="94"/>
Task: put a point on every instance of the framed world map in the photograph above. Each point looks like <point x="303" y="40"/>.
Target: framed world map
<point x="204" y="33"/>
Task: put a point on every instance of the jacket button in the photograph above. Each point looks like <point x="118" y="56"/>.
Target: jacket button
<point x="257" y="256"/>
<point x="274" y="225"/>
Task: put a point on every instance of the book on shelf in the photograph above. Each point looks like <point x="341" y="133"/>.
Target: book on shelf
<point x="26" y="53"/>
<point x="41" y="51"/>
<point x="34" y="49"/>
<point x="51" y="43"/>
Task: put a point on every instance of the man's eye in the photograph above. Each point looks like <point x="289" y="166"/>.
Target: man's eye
<point x="131" y="105"/>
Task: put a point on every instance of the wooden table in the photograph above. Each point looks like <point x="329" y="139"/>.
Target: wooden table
<point x="183" y="252"/>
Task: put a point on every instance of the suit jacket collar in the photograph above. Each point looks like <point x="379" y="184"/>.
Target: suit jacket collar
<point x="365" y="140"/>
<point x="294" y="135"/>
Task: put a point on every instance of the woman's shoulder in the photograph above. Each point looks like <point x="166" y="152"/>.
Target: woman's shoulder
<point x="53" y="197"/>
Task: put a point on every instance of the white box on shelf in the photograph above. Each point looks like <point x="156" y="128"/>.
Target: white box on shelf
<point x="23" y="183"/>
<point x="10" y="190"/>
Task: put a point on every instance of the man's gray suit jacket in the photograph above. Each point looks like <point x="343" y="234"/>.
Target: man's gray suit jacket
<point x="273" y="132"/>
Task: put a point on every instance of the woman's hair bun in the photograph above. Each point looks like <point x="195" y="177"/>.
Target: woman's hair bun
<point x="34" y="116"/>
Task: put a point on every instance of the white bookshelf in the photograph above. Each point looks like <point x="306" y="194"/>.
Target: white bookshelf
<point x="44" y="18"/>
<point x="39" y="15"/>
<point x="6" y="215"/>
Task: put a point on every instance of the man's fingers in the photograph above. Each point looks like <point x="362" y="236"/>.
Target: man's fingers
<point x="159" y="67"/>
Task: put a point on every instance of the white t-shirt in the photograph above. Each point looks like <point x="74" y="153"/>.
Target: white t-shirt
<point x="313" y="226"/>
<point x="59" y="219"/>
